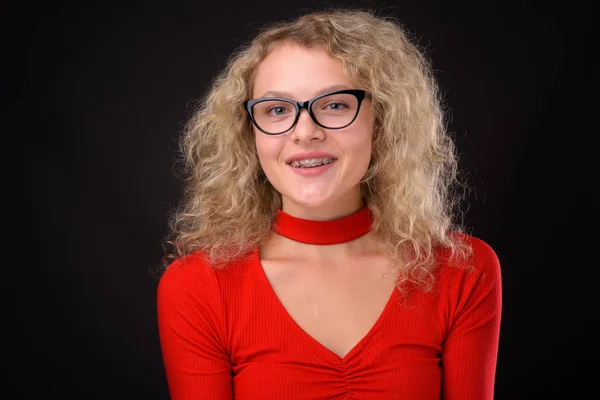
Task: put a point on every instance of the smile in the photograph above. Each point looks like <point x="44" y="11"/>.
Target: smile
<point x="310" y="168"/>
<point x="315" y="162"/>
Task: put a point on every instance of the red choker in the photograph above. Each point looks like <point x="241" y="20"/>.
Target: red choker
<point x="324" y="232"/>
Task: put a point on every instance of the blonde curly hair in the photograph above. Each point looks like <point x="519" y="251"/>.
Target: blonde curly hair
<point x="410" y="186"/>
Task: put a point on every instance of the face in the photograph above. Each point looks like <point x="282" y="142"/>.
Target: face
<point x="330" y="190"/>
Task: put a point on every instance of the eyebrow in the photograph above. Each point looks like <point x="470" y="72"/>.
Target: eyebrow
<point x="288" y="95"/>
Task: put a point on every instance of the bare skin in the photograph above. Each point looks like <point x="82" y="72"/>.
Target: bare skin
<point x="335" y="293"/>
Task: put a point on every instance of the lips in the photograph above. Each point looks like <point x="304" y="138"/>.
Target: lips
<point x="309" y="156"/>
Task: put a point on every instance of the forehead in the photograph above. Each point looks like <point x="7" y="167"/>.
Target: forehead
<point x="300" y="71"/>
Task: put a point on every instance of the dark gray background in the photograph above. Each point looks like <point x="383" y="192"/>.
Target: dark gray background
<point x="96" y="98"/>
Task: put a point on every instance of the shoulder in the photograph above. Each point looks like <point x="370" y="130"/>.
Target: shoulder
<point x="475" y="263"/>
<point x="189" y="305"/>
<point x="186" y="272"/>
<point x="478" y="255"/>
<point x="193" y="276"/>
<point x="187" y="280"/>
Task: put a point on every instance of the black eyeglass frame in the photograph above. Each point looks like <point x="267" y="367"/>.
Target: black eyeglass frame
<point x="307" y="105"/>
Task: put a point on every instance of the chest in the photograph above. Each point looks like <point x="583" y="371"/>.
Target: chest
<point x="301" y="333"/>
<point x="322" y="335"/>
<point x="325" y="335"/>
<point x="334" y="305"/>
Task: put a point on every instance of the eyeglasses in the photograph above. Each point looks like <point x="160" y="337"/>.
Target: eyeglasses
<point x="334" y="110"/>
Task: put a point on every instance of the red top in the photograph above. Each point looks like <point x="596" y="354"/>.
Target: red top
<point x="224" y="334"/>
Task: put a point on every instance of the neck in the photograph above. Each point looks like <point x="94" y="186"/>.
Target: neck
<point x="340" y="209"/>
<point x="278" y="246"/>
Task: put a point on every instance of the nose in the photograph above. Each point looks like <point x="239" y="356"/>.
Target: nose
<point x="306" y="129"/>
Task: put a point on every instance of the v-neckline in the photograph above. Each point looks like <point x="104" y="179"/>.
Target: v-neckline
<point x="319" y="348"/>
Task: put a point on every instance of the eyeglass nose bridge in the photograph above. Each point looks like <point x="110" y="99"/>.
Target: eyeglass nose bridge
<point x="304" y="105"/>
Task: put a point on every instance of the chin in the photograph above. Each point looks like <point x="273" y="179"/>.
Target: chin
<point x="310" y="201"/>
<point x="330" y="198"/>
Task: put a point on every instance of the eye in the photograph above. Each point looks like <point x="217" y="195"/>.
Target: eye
<point x="336" y="105"/>
<point x="277" y="110"/>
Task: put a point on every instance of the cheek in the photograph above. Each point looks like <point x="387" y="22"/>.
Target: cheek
<point x="361" y="143"/>
<point x="364" y="155"/>
<point x="267" y="149"/>
<point x="260" y="147"/>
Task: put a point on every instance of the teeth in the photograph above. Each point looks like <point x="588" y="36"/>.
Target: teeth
<point x="311" y="163"/>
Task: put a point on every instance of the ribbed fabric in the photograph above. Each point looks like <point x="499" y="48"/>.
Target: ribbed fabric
<point x="324" y="232"/>
<point x="224" y="334"/>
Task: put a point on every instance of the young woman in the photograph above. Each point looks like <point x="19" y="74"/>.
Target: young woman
<point x="316" y="254"/>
